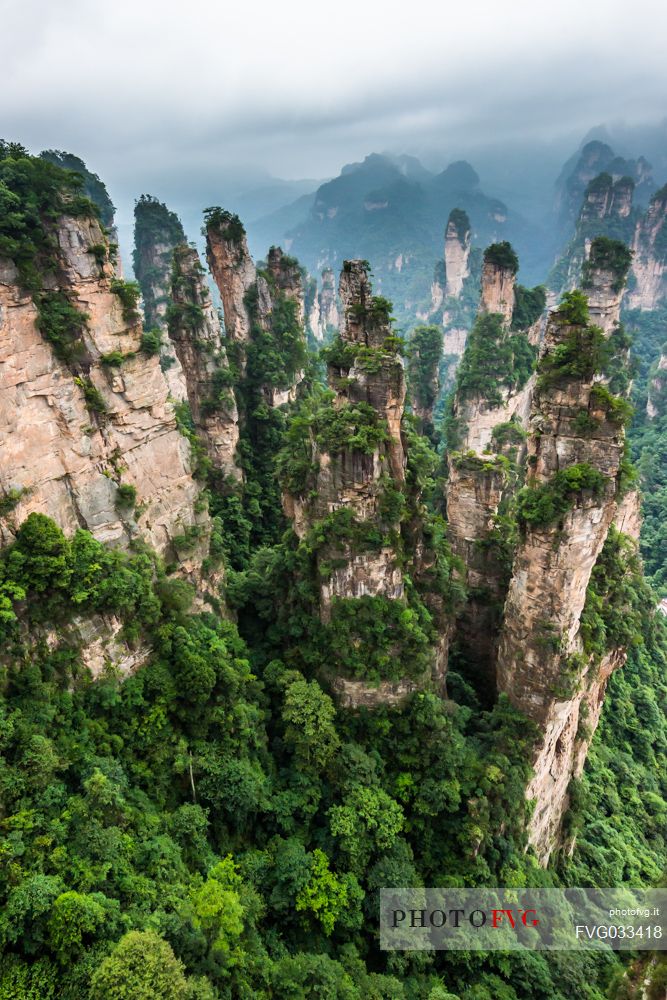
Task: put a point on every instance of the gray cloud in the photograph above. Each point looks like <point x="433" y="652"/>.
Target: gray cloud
<point x="170" y="97"/>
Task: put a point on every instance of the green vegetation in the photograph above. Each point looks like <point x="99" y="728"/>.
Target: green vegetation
<point x="157" y="232"/>
<point x="126" y="496"/>
<point x="424" y="353"/>
<point x="230" y="226"/>
<point x="461" y="222"/>
<point x="583" y="350"/>
<point x="92" y="186"/>
<point x="502" y="255"/>
<point x="129" y="293"/>
<point x="151" y="341"/>
<point x="539" y="506"/>
<point x="493" y="360"/>
<point x="92" y="395"/>
<point x="10" y="500"/>
<point x="62" y="324"/>
<point x="607" y="255"/>
<point x="529" y="304"/>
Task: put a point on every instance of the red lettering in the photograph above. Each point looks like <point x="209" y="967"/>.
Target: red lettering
<point x="498" y="916"/>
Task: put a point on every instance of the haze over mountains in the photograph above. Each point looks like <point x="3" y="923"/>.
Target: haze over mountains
<point x="389" y="205"/>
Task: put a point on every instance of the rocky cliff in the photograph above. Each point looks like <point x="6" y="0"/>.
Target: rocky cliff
<point x="323" y="317"/>
<point x="347" y="485"/>
<point x="457" y="252"/>
<point x="485" y="438"/>
<point x="89" y="436"/>
<point x="233" y="270"/>
<point x="606" y="210"/>
<point x="194" y="329"/>
<point x="157" y="231"/>
<point x="648" y="285"/>
<point x="575" y="450"/>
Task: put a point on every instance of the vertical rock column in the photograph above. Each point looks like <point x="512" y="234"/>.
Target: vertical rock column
<point x="194" y="329"/>
<point x="75" y="427"/>
<point x="479" y="469"/>
<point x="157" y="232"/>
<point x="649" y="266"/>
<point x="234" y="272"/>
<point x="574" y="454"/>
<point x="323" y="317"/>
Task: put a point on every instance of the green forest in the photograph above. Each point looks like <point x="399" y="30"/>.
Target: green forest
<point x="217" y="825"/>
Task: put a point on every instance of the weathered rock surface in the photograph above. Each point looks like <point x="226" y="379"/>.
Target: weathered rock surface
<point x="657" y="389"/>
<point x="457" y="252"/>
<point x="233" y="270"/>
<point x="648" y="290"/>
<point x="64" y="456"/>
<point x="498" y="290"/>
<point x="541" y="662"/>
<point x="194" y="329"/>
<point x="323" y="317"/>
<point x="479" y="478"/>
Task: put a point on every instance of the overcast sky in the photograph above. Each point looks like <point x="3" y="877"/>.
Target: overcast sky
<point x="147" y="91"/>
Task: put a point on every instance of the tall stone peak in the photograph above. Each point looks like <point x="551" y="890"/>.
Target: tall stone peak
<point x="287" y="276"/>
<point x="344" y="481"/>
<point x="575" y="449"/>
<point x="195" y="331"/>
<point x="457" y="251"/>
<point x="157" y="231"/>
<point x="499" y="269"/>
<point x="649" y="267"/>
<point x="232" y="268"/>
<point x="488" y="415"/>
<point x="604" y="274"/>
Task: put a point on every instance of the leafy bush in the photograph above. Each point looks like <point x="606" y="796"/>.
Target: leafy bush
<point x="607" y="255"/>
<point x="94" y="398"/>
<point x="230" y="226"/>
<point x="62" y="324"/>
<point x="129" y="293"/>
<point x="541" y="505"/>
<point x="151" y="342"/>
<point x="502" y="255"/>
<point x="126" y="496"/>
<point x="529" y="304"/>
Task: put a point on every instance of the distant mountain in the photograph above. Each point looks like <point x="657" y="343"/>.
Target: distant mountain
<point x="593" y="158"/>
<point x="391" y="211"/>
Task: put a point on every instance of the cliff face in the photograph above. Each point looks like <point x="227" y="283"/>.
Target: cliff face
<point x="157" y="231"/>
<point x="648" y="290"/>
<point x="489" y="410"/>
<point x="345" y="481"/>
<point x="457" y="252"/>
<point x="323" y="318"/>
<point x="498" y="283"/>
<point x="575" y="448"/>
<point x="657" y="390"/>
<point x="606" y="210"/>
<point x="233" y="270"/>
<point x="194" y="329"/>
<point x="79" y="435"/>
